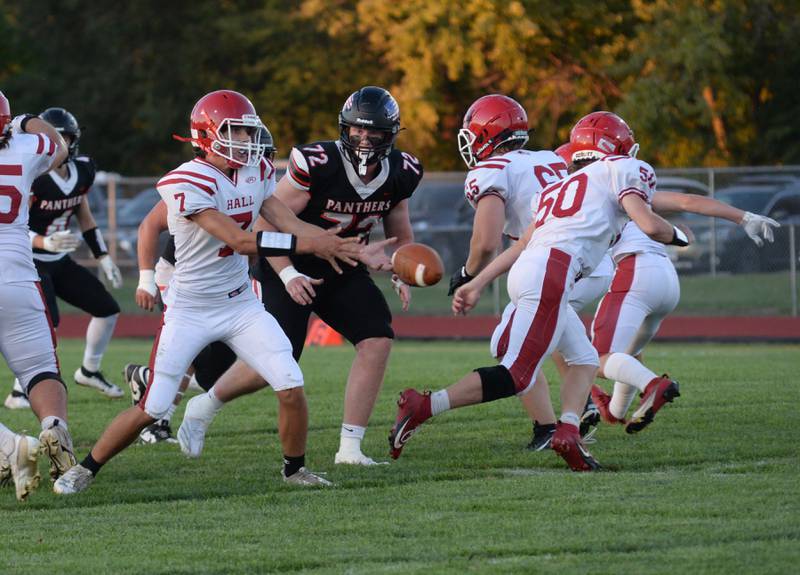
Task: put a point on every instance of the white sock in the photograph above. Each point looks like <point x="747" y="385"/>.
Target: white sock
<point x="51" y="420"/>
<point x="170" y="411"/>
<point x="621" y="399"/>
<point x="571" y="418"/>
<point x="98" y="334"/>
<point x="350" y="437"/>
<point x="440" y="402"/>
<point x="7" y="438"/>
<point x="627" y="369"/>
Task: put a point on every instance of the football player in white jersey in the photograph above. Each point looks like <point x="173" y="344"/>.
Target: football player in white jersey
<point x="212" y="201"/>
<point x="502" y="184"/>
<point x="29" y="147"/>
<point x="575" y="223"/>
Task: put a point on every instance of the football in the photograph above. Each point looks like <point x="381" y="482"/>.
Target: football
<point x="417" y="265"/>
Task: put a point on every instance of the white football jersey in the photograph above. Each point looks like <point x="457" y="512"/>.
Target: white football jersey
<point x="583" y="214"/>
<point x="204" y="266"/>
<point x="22" y="160"/>
<point x="634" y="241"/>
<point x="516" y="177"/>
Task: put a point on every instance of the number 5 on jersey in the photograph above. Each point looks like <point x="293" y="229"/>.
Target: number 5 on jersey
<point x="562" y="199"/>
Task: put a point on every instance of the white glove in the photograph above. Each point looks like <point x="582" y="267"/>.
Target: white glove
<point x="64" y="241"/>
<point x="111" y="270"/>
<point x="754" y="225"/>
<point x="147" y="282"/>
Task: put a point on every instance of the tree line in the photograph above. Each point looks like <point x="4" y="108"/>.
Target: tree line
<point x="700" y="82"/>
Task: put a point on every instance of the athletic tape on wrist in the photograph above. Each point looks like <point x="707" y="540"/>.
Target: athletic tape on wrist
<point x="147" y="282"/>
<point x="288" y="273"/>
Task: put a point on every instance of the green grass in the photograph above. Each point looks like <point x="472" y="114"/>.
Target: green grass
<point x="725" y="294"/>
<point x="711" y="487"/>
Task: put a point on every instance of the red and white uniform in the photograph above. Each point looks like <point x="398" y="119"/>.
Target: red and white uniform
<point x="644" y="290"/>
<point x="577" y="221"/>
<point x="209" y="297"/>
<point x="27" y="339"/>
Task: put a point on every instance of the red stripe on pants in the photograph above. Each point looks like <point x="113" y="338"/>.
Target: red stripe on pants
<point x="540" y="333"/>
<point x="49" y="324"/>
<point x="152" y="362"/>
<point x="605" y="320"/>
<point x="502" y="343"/>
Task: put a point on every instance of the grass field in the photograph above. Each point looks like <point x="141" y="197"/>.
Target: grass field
<point x="711" y="487"/>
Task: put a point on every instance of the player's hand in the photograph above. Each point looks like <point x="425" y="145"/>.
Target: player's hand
<point x="301" y="289"/>
<point x="373" y="256"/>
<point x="61" y="242"/>
<point x="146" y="291"/>
<point x="331" y="247"/>
<point x="458" y="279"/>
<point x="111" y="271"/>
<point x="465" y="299"/>
<point x="403" y="290"/>
<point x="754" y="225"/>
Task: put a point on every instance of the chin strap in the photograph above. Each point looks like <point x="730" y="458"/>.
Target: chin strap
<point x="183" y="139"/>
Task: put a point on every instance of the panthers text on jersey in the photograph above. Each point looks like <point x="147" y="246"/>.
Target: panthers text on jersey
<point x="205" y="267"/>
<point x="24" y="158"/>
<point x="56" y="199"/>
<point x="517" y="178"/>
<point x="338" y="197"/>
<point x="583" y="214"/>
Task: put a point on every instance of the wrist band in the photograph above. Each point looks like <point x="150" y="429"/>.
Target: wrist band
<point x="94" y="239"/>
<point x="271" y="244"/>
<point x="678" y="238"/>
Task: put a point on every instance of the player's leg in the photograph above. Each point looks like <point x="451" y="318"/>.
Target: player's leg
<point x="79" y="287"/>
<point x="18" y="461"/>
<point x="355" y="307"/>
<point x="184" y="333"/>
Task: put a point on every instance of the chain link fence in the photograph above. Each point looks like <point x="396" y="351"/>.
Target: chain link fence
<point x="722" y="273"/>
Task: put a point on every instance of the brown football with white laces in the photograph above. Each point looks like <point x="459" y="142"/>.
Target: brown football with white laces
<point x="417" y="265"/>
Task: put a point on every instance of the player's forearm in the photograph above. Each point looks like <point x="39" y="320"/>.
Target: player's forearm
<point x="481" y="252"/>
<point x="84" y="216"/>
<point x="147" y="246"/>
<point x="672" y="201"/>
<point x="500" y="265"/>
<point x="39" y="126"/>
<point x="279" y="263"/>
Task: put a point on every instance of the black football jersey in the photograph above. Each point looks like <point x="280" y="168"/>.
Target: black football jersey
<point x="54" y="200"/>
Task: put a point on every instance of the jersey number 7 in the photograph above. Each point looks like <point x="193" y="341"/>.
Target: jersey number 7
<point x="244" y="220"/>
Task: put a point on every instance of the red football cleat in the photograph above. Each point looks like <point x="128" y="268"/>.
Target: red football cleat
<point x="414" y="408"/>
<point x="658" y="392"/>
<point x="567" y="443"/>
<point x="602" y="400"/>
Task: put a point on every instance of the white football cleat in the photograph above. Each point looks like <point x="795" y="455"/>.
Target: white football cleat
<point x="192" y="432"/>
<point x="23" y="465"/>
<point x="304" y="477"/>
<point x="75" y="480"/>
<point x="355" y="458"/>
<point x="57" y="444"/>
<point x="16" y="399"/>
<point x="96" y="380"/>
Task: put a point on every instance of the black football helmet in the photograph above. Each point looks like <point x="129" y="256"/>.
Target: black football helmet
<point x="66" y="125"/>
<point x="375" y="109"/>
<point x="266" y="140"/>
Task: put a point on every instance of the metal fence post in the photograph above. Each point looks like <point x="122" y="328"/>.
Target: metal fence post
<point x="712" y="258"/>
<point x="111" y="188"/>
<point x="793" y="269"/>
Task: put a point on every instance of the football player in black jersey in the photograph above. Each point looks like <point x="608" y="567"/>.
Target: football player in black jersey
<point x="353" y="183"/>
<point x="56" y="197"/>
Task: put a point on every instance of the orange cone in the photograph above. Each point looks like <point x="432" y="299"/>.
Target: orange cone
<point x="321" y="334"/>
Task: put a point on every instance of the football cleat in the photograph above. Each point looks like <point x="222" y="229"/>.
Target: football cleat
<point x="157" y="432"/>
<point x="567" y="443"/>
<point x="658" y="392"/>
<point x="413" y="409"/>
<point x="16" y="400"/>
<point x="136" y="376"/>
<point x="75" y="480"/>
<point x="355" y="458"/>
<point x="603" y="403"/>
<point x="192" y="432"/>
<point x="589" y="419"/>
<point x="57" y="444"/>
<point x="304" y="477"/>
<point x="542" y="434"/>
<point x="23" y="463"/>
<point x="96" y="380"/>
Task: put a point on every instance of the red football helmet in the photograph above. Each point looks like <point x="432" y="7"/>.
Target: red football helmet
<point x="5" y="113"/>
<point x="565" y="151"/>
<point x="601" y="134"/>
<point x="213" y="120"/>
<point x="491" y="121"/>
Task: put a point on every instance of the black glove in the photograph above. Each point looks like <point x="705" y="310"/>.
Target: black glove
<point x="458" y="279"/>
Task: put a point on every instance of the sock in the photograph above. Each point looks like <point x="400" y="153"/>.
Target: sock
<point x="52" y="421"/>
<point x="292" y="464"/>
<point x="170" y="411"/>
<point x="7" y="438"/>
<point x="541" y="428"/>
<point x="92" y="465"/>
<point x="571" y="418"/>
<point x="98" y="334"/>
<point x="212" y="398"/>
<point x="627" y="369"/>
<point x="350" y="437"/>
<point x="440" y="402"/>
<point x="621" y="399"/>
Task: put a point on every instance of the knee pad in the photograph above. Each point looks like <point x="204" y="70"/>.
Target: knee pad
<point x="496" y="382"/>
<point x="286" y="374"/>
<point x="40" y="377"/>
